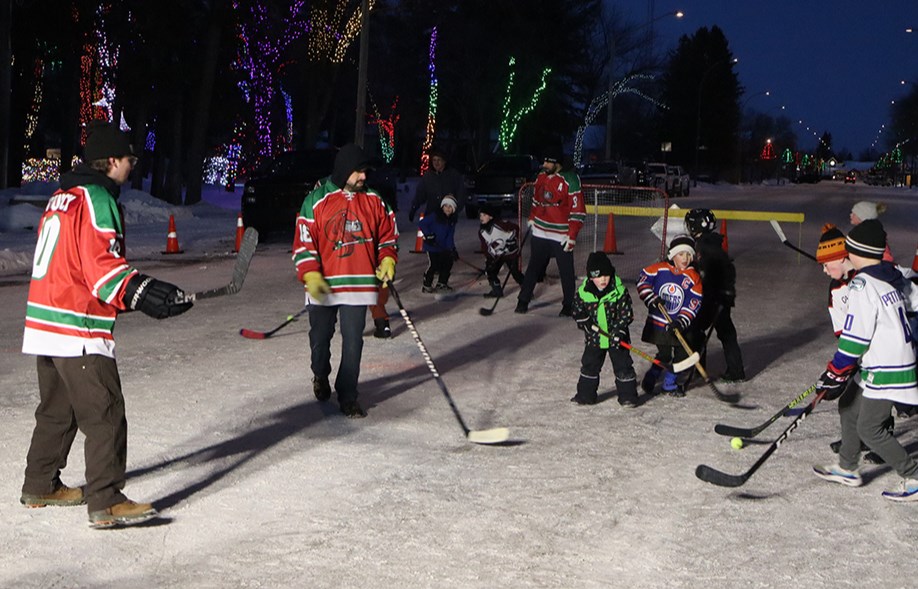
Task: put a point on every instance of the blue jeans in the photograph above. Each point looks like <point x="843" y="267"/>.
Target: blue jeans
<point x="322" y="322"/>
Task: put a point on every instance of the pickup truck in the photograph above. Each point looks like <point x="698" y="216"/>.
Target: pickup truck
<point x="658" y="176"/>
<point x="679" y="181"/>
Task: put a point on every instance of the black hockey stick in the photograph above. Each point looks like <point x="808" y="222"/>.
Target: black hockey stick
<point x="787" y="242"/>
<point x="251" y="334"/>
<point x="488" y="436"/>
<point x="243" y="259"/>
<point x="677" y="367"/>
<point x="732" y="398"/>
<point x="484" y="310"/>
<point x="742" y="432"/>
<point x="722" y="479"/>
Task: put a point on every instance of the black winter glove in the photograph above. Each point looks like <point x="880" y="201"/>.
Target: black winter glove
<point x="430" y="238"/>
<point x="652" y="301"/>
<point x="681" y="323"/>
<point x="833" y="381"/>
<point x="155" y="298"/>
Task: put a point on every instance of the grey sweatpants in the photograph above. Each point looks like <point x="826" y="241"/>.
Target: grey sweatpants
<point x="864" y="419"/>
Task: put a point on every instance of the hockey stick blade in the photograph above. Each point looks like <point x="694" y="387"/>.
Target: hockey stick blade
<point x="722" y="479"/>
<point x="252" y="334"/>
<point x="743" y="432"/>
<point x="787" y="242"/>
<point x="240" y="269"/>
<point x="687" y="363"/>
<point x="489" y="436"/>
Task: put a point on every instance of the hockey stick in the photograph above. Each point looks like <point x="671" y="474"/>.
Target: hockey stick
<point x="471" y="265"/>
<point x="733" y="398"/>
<point x="251" y="334"/>
<point x="488" y="436"/>
<point x="722" y="479"/>
<point x="742" y="432"/>
<point x="243" y="259"/>
<point x="787" y="242"/>
<point x="677" y="367"/>
<point x="485" y="311"/>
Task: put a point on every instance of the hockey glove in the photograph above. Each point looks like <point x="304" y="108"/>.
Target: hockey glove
<point x="833" y="381"/>
<point x="155" y="298"/>
<point x="681" y="323"/>
<point x="652" y="301"/>
<point x="385" y="272"/>
<point x="316" y="285"/>
<point x="568" y="244"/>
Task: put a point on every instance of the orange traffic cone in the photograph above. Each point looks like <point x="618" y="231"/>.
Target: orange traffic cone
<point x="915" y="261"/>
<point x="172" y="246"/>
<point x="723" y="231"/>
<point x="419" y="240"/>
<point x="240" y="230"/>
<point x="610" y="246"/>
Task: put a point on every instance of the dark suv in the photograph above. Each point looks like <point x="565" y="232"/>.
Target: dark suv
<point x="498" y="182"/>
<point x="271" y="201"/>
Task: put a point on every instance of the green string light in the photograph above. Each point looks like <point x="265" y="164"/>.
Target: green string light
<point x="510" y="122"/>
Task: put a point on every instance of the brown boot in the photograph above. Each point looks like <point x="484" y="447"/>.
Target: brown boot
<point x="125" y="513"/>
<point x="63" y="496"/>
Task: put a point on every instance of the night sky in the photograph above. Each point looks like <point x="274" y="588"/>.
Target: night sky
<point x="835" y="65"/>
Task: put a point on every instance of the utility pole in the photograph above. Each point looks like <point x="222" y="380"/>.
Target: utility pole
<point x="360" y="124"/>
<point x="6" y="59"/>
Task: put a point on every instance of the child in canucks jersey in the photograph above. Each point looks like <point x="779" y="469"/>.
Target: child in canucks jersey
<point x="876" y="334"/>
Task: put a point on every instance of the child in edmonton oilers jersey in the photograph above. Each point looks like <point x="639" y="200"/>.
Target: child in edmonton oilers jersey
<point x="677" y="287"/>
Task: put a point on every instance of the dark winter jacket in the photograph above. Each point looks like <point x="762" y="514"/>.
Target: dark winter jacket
<point x="433" y="187"/>
<point x="718" y="278"/>
<point x="610" y="310"/>
<point x="442" y="229"/>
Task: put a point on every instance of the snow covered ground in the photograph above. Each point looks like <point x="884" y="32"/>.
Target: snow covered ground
<point x="262" y="486"/>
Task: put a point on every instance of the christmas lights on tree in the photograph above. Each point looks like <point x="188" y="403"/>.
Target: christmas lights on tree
<point x="510" y="121"/>
<point x="432" y="102"/>
<point x="768" y="151"/>
<point x="386" y="129"/>
<point x="621" y="87"/>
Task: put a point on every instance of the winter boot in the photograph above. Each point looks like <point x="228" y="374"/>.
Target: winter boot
<point x="586" y="390"/>
<point x="565" y="311"/>
<point x="627" y="392"/>
<point x="428" y="288"/>
<point x="522" y="307"/>
<point x="126" y="513"/>
<point x="63" y="496"/>
<point x="382" y="329"/>
<point x="321" y="388"/>
<point x="443" y="287"/>
<point x="671" y="387"/>
<point x="650" y="379"/>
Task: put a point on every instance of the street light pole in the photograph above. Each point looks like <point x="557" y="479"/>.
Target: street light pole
<point x="612" y="50"/>
<point x="360" y="124"/>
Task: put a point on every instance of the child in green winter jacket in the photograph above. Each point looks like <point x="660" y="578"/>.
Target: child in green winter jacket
<point x="603" y="301"/>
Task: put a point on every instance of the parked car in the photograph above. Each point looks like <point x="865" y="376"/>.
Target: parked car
<point x="606" y="172"/>
<point x="498" y="181"/>
<point x="632" y="174"/>
<point x="271" y="201"/>
<point x="658" y="176"/>
<point x="851" y="177"/>
<point x="680" y="181"/>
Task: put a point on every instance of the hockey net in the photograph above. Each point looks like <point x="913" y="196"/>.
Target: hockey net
<point x="620" y="221"/>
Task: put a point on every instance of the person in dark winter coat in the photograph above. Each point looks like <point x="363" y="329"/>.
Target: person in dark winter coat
<point x="437" y="182"/>
<point x="439" y="230"/>
<point x="602" y="300"/>
<point x="677" y="287"/>
<point x="718" y="280"/>
<point x="500" y="243"/>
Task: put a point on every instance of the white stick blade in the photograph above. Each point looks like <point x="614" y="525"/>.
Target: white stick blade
<point x="489" y="436"/>
<point x="778" y="230"/>
<point x="687" y="363"/>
